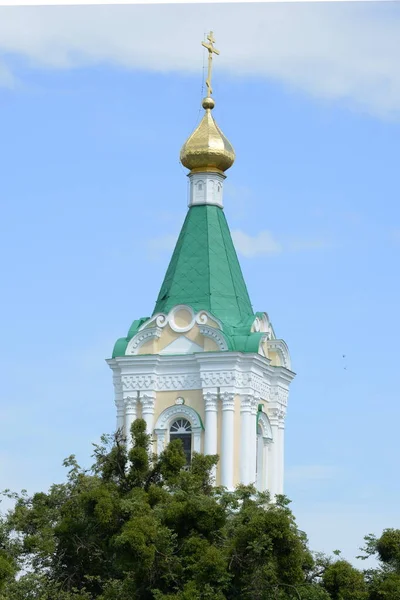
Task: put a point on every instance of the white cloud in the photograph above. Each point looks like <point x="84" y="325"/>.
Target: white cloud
<point x="7" y="79"/>
<point x="258" y="245"/>
<point x="341" y="50"/>
<point x="264" y="243"/>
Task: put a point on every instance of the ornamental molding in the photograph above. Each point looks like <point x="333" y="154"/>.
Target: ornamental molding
<point x="147" y="401"/>
<point x="210" y="401"/>
<point x="280" y="347"/>
<point x="141" y="338"/>
<point x="228" y="400"/>
<point x="279" y="395"/>
<point x="174" y="412"/>
<point x="246" y="402"/>
<point x="238" y="380"/>
<point x="138" y="382"/>
<point x="161" y="320"/>
<point x="276" y="414"/>
<point x="130" y="402"/>
<point x="217" y="378"/>
<point x="179" y="381"/>
<point x="117" y="383"/>
<point x="119" y="403"/>
<point x="215" y="335"/>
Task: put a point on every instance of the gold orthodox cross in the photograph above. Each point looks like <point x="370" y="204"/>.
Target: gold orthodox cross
<point x="211" y="50"/>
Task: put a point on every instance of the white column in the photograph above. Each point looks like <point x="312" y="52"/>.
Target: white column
<point x="160" y="433"/>
<point x="245" y="439"/>
<point x="266" y="466"/>
<point x="253" y="438"/>
<point x="119" y="401"/>
<point x="147" y="400"/>
<point x="227" y="441"/>
<point x="196" y="439"/>
<point x="120" y="414"/>
<point x="130" y="416"/>
<point x="211" y="424"/>
<point x="274" y="456"/>
<point x="281" y="453"/>
<point x="260" y="463"/>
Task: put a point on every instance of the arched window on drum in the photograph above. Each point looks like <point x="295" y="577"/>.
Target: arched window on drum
<point x="181" y="429"/>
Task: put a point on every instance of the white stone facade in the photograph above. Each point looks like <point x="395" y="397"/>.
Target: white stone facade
<point x="235" y="402"/>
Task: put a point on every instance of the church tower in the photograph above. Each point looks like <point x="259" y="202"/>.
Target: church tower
<point x="205" y="368"/>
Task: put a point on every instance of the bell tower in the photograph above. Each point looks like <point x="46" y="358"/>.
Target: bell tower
<point x="204" y="367"/>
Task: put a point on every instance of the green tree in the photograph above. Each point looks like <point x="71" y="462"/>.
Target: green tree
<point x="146" y="527"/>
<point x="384" y="581"/>
<point x="344" y="582"/>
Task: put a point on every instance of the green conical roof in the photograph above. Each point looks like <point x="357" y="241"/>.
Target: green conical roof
<point x="204" y="271"/>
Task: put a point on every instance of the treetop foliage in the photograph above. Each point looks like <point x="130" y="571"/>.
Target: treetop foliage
<point x="136" y="526"/>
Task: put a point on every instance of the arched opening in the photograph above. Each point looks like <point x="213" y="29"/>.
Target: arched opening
<point x="181" y="429"/>
<point x="264" y="437"/>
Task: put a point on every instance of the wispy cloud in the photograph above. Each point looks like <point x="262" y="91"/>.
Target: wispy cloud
<point x="260" y="244"/>
<point x="7" y="79"/>
<point x="345" y="51"/>
<point x="265" y="243"/>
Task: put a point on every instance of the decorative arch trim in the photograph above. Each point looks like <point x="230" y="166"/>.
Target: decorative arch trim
<point x="280" y="347"/>
<point x="263" y="420"/>
<point x="175" y="412"/>
<point x="168" y="416"/>
<point x="141" y="338"/>
<point x="215" y="335"/>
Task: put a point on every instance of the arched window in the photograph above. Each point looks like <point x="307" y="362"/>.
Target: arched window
<point x="177" y="420"/>
<point x="181" y="429"/>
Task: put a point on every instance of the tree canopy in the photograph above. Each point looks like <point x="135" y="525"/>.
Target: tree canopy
<point x="151" y="528"/>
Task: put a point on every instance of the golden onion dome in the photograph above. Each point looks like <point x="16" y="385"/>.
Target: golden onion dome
<point x="207" y="149"/>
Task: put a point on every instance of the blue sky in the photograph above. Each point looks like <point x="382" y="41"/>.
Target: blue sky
<point x="94" y="110"/>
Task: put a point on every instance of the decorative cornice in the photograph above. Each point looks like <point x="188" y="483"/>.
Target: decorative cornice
<point x="209" y="370"/>
<point x="139" y="382"/>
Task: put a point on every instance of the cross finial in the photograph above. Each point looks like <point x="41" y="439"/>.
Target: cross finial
<point x="211" y="50"/>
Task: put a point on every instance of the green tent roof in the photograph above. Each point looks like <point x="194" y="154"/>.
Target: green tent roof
<point x="204" y="271"/>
